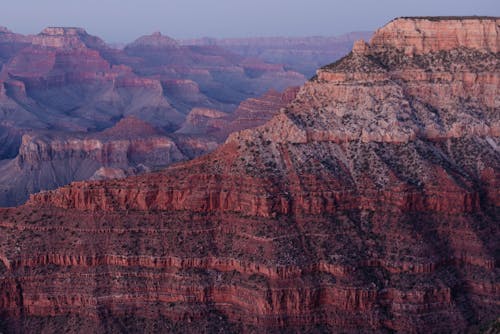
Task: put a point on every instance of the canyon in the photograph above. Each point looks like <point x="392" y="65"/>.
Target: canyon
<point x="49" y="159"/>
<point x="368" y="202"/>
<point x="64" y="85"/>
<point x="66" y="79"/>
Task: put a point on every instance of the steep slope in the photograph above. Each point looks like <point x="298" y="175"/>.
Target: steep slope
<point x="370" y="204"/>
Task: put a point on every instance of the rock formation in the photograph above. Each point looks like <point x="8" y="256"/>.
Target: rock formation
<point x="49" y="160"/>
<point x="63" y="38"/>
<point x="438" y="34"/>
<point x="65" y="83"/>
<point x="62" y="80"/>
<point x="155" y="41"/>
<point x="369" y="204"/>
<point x="65" y="76"/>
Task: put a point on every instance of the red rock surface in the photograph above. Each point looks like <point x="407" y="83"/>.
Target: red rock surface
<point x="439" y="34"/>
<point x="343" y="213"/>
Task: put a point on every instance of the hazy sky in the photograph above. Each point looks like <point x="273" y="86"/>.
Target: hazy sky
<point x="125" y="20"/>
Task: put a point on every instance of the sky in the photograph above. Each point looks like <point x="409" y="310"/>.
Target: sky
<point x="122" y="21"/>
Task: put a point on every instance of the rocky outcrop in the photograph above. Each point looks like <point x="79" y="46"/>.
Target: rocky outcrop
<point x="49" y="161"/>
<point x="426" y="93"/>
<point x="340" y="214"/>
<point x="36" y="150"/>
<point x="204" y="121"/>
<point x="433" y="34"/>
<point x="59" y="37"/>
<point x="256" y="111"/>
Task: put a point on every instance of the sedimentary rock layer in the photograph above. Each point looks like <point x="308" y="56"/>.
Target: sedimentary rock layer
<point x="50" y="160"/>
<point x="369" y="204"/>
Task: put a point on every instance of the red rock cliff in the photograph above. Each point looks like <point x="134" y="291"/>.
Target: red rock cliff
<point x="424" y="35"/>
<point x="343" y="213"/>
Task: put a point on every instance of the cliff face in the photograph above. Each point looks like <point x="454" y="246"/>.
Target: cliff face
<point x="66" y="38"/>
<point x="48" y="161"/>
<point x="369" y="204"/>
<point x="419" y="36"/>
